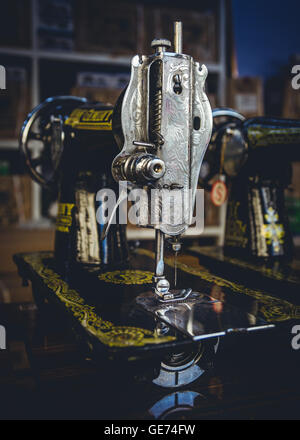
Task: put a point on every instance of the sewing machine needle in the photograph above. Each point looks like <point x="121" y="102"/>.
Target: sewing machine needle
<point x="175" y="269"/>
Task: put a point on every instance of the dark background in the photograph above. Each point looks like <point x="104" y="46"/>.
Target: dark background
<point x="266" y="35"/>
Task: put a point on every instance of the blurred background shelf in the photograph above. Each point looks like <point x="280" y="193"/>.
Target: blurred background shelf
<point x="62" y="44"/>
<point x="9" y="144"/>
<point x="94" y="58"/>
<point x="69" y="56"/>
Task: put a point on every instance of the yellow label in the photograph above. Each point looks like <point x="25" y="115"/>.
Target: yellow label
<point x="260" y="136"/>
<point x="89" y="119"/>
<point x="64" y="217"/>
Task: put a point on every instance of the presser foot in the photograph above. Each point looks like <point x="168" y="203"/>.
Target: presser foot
<point x="165" y="295"/>
<point x="173" y="295"/>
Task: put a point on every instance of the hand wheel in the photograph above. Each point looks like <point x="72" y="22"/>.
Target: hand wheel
<point x="44" y="125"/>
<point x="223" y="118"/>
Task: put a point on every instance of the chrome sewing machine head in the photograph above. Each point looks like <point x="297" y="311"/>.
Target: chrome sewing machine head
<point x="163" y="124"/>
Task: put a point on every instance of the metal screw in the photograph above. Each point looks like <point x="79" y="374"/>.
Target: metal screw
<point x="162" y="287"/>
<point x="161" y="44"/>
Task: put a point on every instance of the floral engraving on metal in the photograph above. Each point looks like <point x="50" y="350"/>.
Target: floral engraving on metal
<point x="127" y="277"/>
<point x="180" y="129"/>
<point x="273" y="309"/>
<point x="106" y="332"/>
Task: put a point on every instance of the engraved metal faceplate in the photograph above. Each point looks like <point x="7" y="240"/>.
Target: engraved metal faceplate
<point x="165" y="106"/>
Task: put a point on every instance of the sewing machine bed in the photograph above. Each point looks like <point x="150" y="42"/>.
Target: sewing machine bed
<point x="103" y="309"/>
<point x="280" y="278"/>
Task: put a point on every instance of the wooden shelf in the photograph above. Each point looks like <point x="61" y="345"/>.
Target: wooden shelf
<point x="86" y="57"/>
<point x="16" y="239"/>
<point x="13" y="144"/>
<point x="35" y="55"/>
<point x="9" y="144"/>
<point x="69" y="56"/>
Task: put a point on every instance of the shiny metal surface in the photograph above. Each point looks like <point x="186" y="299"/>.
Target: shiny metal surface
<point x="178" y="37"/>
<point x="153" y="111"/>
<point x="165" y="116"/>
<point x="227" y="112"/>
<point x="201" y="314"/>
<point x="179" y="403"/>
<point x="177" y="376"/>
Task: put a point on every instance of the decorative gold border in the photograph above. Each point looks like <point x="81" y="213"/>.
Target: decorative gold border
<point x="107" y="333"/>
<point x="268" y="272"/>
<point x="273" y="309"/>
<point x="127" y="277"/>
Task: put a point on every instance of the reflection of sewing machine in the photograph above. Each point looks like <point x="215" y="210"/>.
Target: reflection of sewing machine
<point x="77" y="146"/>
<point x="162" y="123"/>
<point x="255" y="156"/>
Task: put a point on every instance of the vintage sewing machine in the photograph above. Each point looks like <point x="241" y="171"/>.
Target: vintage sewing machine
<point x="254" y="157"/>
<point x="161" y="318"/>
<point x="67" y="144"/>
<point x="165" y="124"/>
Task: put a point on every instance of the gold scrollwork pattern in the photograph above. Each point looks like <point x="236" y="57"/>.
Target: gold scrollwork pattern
<point x="271" y="272"/>
<point x="128" y="277"/>
<point x="273" y="309"/>
<point x="105" y="331"/>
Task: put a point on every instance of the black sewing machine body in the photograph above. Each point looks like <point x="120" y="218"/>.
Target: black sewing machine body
<point x="78" y="147"/>
<point x="170" y="344"/>
<point x="130" y="361"/>
<point x="257" y="224"/>
<point x="97" y="291"/>
<point x="256" y="157"/>
<point x="108" y="298"/>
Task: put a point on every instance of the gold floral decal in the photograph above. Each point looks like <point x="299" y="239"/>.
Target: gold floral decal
<point x="273" y="231"/>
<point x="273" y="309"/>
<point x="128" y="277"/>
<point x="105" y="331"/>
